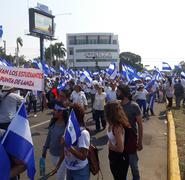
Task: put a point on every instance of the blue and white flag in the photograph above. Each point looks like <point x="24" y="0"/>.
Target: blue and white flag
<point x="1" y="31"/>
<point x="150" y="84"/>
<point x="18" y="141"/>
<point x="166" y="66"/>
<point x="72" y="132"/>
<point x="125" y="73"/>
<point x="62" y="86"/>
<point x="178" y="67"/>
<point x="37" y="64"/>
<point x="2" y="63"/>
<point x="112" y="71"/>
<point x="85" y="76"/>
<point x="183" y="75"/>
<point x="62" y="71"/>
<point x="4" y="164"/>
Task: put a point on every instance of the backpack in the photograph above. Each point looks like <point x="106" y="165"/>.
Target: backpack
<point x="94" y="162"/>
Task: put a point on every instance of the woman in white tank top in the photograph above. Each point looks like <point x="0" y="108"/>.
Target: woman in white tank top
<point x="117" y="121"/>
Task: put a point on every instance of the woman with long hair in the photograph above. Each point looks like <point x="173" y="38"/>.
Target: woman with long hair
<point x="117" y="125"/>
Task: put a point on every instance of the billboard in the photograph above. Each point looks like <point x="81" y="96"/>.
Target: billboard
<point x="41" y="22"/>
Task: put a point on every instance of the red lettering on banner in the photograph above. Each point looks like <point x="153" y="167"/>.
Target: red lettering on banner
<point x="6" y="80"/>
<point x="4" y="71"/>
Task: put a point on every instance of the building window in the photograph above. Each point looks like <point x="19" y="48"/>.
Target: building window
<point x="71" y="40"/>
<point x="94" y="60"/>
<point x="104" y="41"/>
<point x="71" y="51"/>
<point x="92" y="41"/>
<point x="96" y="50"/>
<point x="114" y="41"/>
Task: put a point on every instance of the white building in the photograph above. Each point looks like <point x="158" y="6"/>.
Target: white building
<point x="92" y="50"/>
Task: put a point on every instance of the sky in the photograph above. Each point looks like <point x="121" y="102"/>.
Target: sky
<point x="153" y="29"/>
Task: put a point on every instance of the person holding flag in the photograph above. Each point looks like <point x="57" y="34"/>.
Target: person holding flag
<point x="18" y="135"/>
<point x="77" y="142"/>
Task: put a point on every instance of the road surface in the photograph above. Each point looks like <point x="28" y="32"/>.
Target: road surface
<point x="152" y="159"/>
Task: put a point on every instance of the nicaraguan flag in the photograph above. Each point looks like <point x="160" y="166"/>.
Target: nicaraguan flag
<point x="4" y="164"/>
<point x="72" y="132"/>
<point x="62" y="71"/>
<point x="178" y="67"/>
<point x="62" y="86"/>
<point x="125" y="72"/>
<point x="1" y="31"/>
<point x="166" y="66"/>
<point x="5" y="62"/>
<point x="18" y="141"/>
<point x="85" y="76"/>
<point x="150" y="84"/>
<point x="112" y="71"/>
<point x="183" y="75"/>
<point x="37" y="64"/>
<point x="2" y="62"/>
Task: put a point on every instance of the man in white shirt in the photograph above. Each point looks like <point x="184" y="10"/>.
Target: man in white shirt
<point x="78" y="96"/>
<point x="8" y="105"/>
<point x="111" y="94"/>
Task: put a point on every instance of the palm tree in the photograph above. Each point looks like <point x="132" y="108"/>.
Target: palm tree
<point x="56" y="53"/>
<point x="60" y="52"/>
<point x="19" y="42"/>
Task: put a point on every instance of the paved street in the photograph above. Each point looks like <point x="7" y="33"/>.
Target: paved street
<point x="153" y="158"/>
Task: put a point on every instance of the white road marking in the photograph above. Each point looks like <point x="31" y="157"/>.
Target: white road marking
<point x="40" y="124"/>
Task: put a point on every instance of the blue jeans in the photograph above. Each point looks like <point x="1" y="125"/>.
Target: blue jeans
<point x="81" y="174"/>
<point x="133" y="162"/>
<point x="142" y="104"/>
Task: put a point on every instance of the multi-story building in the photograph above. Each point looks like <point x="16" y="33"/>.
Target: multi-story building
<point x="92" y="50"/>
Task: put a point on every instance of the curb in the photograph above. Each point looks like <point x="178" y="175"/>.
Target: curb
<point x="173" y="158"/>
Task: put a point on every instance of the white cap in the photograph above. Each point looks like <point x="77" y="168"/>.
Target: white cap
<point x="6" y="88"/>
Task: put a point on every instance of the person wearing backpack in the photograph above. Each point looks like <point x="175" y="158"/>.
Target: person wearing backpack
<point x="118" y="122"/>
<point x="75" y="157"/>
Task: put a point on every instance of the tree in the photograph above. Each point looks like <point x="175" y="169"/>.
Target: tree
<point x="131" y="59"/>
<point x="19" y="42"/>
<point x="56" y="54"/>
<point x="178" y="69"/>
<point x="9" y="57"/>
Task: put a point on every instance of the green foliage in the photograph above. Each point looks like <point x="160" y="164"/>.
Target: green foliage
<point x="55" y="54"/>
<point x="178" y="71"/>
<point x="131" y="59"/>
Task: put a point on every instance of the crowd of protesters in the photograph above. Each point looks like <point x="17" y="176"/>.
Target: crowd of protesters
<point x="116" y="105"/>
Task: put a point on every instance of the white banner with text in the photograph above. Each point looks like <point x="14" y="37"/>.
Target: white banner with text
<point x="23" y="78"/>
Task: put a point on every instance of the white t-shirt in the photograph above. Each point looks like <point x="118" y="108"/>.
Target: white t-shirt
<point x="71" y="161"/>
<point x="79" y="98"/>
<point x="111" y="95"/>
<point x="141" y="94"/>
<point x="8" y="106"/>
<point x="99" y="101"/>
